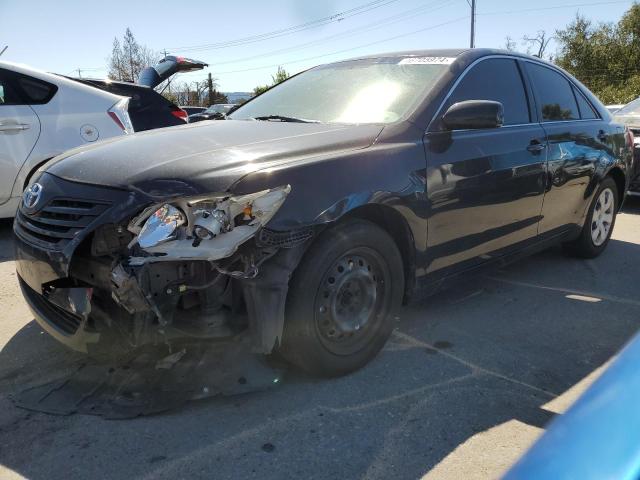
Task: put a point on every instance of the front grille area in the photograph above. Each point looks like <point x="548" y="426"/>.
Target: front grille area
<point x="59" y="221"/>
<point x="64" y="321"/>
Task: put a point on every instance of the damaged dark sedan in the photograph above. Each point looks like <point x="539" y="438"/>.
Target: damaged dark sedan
<point x="304" y="220"/>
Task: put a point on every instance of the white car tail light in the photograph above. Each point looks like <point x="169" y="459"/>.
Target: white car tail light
<point x="119" y="113"/>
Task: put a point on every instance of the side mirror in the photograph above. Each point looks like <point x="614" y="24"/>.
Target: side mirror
<point x="474" y="115"/>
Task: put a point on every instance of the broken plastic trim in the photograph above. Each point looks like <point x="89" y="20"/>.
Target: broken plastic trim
<point x="216" y="225"/>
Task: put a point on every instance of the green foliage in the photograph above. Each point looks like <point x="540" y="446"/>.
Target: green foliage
<point x="128" y="58"/>
<point x="280" y="76"/>
<point x="260" y="89"/>
<point x="605" y="57"/>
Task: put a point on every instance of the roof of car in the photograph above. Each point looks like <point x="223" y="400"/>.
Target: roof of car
<point x="471" y="53"/>
<point x="54" y="78"/>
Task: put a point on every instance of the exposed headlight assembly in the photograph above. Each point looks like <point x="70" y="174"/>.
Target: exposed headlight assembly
<point x="208" y="227"/>
<point x="161" y="226"/>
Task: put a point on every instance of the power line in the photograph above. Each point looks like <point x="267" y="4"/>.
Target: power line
<point x="337" y="17"/>
<point x="505" y="12"/>
<point x="466" y="17"/>
<point x="348" y="33"/>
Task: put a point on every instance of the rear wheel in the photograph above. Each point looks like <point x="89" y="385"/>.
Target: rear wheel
<point x="342" y="299"/>
<point x="599" y="225"/>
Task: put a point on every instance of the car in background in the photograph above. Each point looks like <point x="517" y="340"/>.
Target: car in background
<point x="301" y="222"/>
<point x="629" y="115"/>
<point x="43" y="115"/>
<point x="192" y="110"/>
<point x="599" y="436"/>
<point x="148" y="109"/>
<point x="214" y="112"/>
<point x="614" y="108"/>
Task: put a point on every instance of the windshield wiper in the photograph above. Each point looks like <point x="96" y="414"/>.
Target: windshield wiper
<point x="283" y="118"/>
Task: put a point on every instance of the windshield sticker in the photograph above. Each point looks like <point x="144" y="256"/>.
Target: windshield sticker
<point x="427" y="61"/>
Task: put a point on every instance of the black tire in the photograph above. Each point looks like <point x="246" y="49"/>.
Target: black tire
<point x="585" y="246"/>
<point x="342" y="300"/>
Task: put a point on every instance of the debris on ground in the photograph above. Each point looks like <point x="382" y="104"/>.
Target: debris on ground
<point x="149" y="381"/>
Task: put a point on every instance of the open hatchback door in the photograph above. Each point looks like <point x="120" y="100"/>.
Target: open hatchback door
<point x="165" y="68"/>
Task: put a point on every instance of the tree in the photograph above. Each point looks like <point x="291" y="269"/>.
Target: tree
<point x="539" y="42"/>
<point x="604" y="56"/>
<point x="128" y="58"/>
<point x="509" y="44"/>
<point x="194" y="94"/>
<point x="213" y="95"/>
<point x="280" y="76"/>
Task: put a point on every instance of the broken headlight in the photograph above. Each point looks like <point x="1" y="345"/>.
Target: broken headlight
<point x="210" y="227"/>
<point x="161" y="226"/>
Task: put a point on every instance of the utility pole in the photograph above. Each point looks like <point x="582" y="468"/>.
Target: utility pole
<point x="472" y="43"/>
<point x="79" y="73"/>
<point x="3" y="50"/>
<point x="210" y="88"/>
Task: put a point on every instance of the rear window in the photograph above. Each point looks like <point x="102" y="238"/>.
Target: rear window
<point x="554" y="94"/>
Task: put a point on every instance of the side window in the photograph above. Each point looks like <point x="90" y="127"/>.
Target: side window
<point x="35" y="91"/>
<point x="586" y="110"/>
<point x="554" y="94"/>
<point x="495" y="79"/>
<point x="7" y="95"/>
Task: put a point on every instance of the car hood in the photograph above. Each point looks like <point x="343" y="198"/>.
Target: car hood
<point x="206" y="156"/>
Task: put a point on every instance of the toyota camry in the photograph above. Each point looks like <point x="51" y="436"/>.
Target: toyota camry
<point x="304" y="220"/>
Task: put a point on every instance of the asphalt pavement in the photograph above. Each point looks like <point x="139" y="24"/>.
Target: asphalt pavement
<point x="468" y="381"/>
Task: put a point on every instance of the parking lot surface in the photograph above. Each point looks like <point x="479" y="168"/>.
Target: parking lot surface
<point x="468" y="381"/>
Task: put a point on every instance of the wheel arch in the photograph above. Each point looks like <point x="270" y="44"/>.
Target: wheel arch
<point x="393" y="223"/>
<point x="619" y="177"/>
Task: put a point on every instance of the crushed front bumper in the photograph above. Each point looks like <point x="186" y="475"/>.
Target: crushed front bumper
<point x="68" y="328"/>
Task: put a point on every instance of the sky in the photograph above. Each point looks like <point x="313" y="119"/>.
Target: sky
<point x="244" y="41"/>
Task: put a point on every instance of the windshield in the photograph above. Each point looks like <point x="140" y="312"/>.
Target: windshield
<point x="380" y="90"/>
<point x="631" y="108"/>
<point x="219" y="108"/>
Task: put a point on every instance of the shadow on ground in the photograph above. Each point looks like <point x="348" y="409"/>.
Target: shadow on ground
<point x="494" y="349"/>
<point x="632" y="204"/>
<point x="6" y="241"/>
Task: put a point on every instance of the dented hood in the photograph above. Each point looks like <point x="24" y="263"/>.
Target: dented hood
<point x="206" y="156"/>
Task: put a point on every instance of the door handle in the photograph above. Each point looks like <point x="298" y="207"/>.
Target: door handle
<point x="13" y="127"/>
<point x="535" y="146"/>
<point x="602" y="136"/>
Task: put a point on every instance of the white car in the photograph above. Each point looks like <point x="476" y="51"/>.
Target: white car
<point x="614" y="108"/>
<point x="43" y="115"/>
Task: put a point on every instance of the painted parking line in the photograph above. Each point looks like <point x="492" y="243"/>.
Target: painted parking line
<point x="592" y="297"/>
<point x="476" y="369"/>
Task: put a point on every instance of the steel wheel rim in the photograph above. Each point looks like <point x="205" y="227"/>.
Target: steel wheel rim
<point x="602" y="218"/>
<point x="352" y="301"/>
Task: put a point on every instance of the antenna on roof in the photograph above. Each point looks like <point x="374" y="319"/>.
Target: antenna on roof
<point x="3" y="50"/>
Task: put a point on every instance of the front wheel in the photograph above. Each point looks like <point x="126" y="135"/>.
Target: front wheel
<point x="342" y="299"/>
<point x="598" y="227"/>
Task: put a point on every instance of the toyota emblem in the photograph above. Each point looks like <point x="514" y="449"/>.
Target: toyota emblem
<point x="31" y="195"/>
